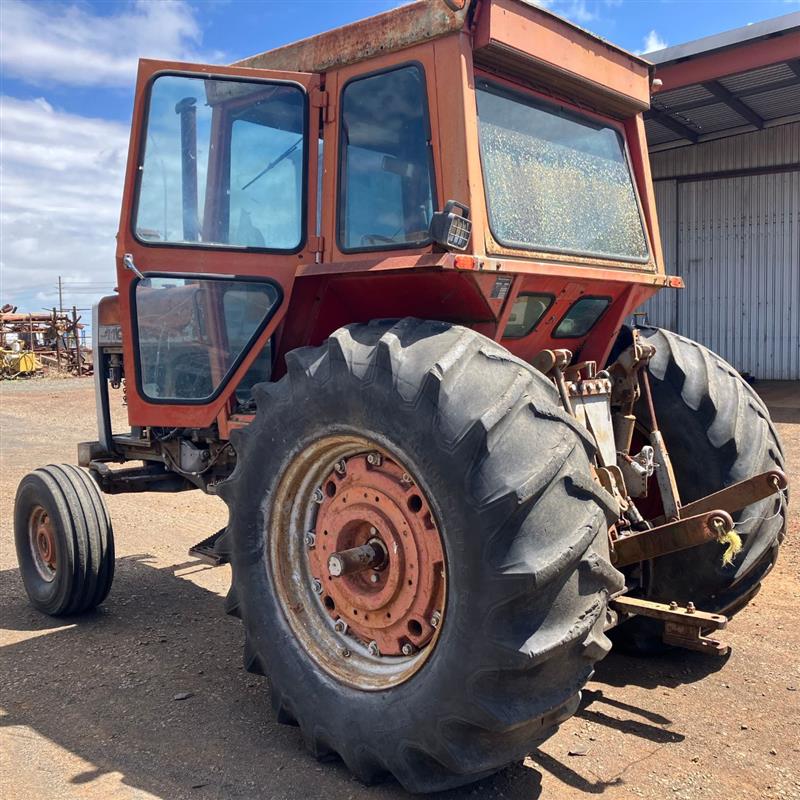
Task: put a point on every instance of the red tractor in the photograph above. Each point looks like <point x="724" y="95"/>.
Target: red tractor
<point x="372" y="292"/>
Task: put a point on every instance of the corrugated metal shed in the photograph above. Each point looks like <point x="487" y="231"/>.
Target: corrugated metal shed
<point x="729" y="211"/>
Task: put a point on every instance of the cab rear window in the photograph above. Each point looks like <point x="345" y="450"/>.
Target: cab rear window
<point x="556" y="180"/>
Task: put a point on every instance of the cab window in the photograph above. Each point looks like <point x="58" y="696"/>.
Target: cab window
<point x="386" y="192"/>
<point x="581" y="317"/>
<point x="556" y="180"/>
<point x="525" y="314"/>
<point x="223" y="164"/>
<point x="192" y="332"/>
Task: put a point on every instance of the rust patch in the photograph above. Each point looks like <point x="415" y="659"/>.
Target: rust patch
<point x="374" y="36"/>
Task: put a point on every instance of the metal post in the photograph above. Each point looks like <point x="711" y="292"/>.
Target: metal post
<point x="77" y="340"/>
<point x="60" y="297"/>
<point x="58" y="339"/>
<point x="188" y="113"/>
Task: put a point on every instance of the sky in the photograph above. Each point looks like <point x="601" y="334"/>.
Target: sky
<point x="67" y="78"/>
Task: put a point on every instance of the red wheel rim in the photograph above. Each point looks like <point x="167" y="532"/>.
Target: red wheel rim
<point x="395" y="606"/>
<point x="357" y="616"/>
<point x="42" y="539"/>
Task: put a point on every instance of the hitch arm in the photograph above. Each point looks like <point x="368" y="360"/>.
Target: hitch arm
<point x="669" y="538"/>
<point x="736" y="496"/>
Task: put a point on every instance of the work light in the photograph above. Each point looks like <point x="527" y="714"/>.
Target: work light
<point x="451" y="229"/>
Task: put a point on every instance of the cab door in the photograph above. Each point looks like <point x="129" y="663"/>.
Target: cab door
<point x="219" y="210"/>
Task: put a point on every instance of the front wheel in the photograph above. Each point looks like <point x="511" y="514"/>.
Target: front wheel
<point x="64" y="540"/>
<point x="464" y="606"/>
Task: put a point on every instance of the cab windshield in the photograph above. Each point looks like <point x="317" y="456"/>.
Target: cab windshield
<point x="556" y="181"/>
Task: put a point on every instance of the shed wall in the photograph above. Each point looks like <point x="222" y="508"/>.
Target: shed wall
<point x="729" y="212"/>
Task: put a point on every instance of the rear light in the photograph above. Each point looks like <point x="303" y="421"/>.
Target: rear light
<point x="464" y="262"/>
<point x="452" y="227"/>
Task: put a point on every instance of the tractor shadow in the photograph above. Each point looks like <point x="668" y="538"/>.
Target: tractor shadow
<point x="103" y="687"/>
<point x="670" y="669"/>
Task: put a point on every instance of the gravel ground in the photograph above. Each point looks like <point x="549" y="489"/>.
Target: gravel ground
<point x="89" y="708"/>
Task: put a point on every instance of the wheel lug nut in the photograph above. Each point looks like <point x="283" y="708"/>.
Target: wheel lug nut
<point x="310" y="539"/>
<point x="340" y="467"/>
<point x="373" y="649"/>
<point x="318" y="495"/>
<point x="408" y="649"/>
<point x="436" y="618"/>
<point x="374" y="459"/>
<point x="316" y="586"/>
<point x="345" y="653"/>
<point x="340" y="626"/>
<point x="374" y="577"/>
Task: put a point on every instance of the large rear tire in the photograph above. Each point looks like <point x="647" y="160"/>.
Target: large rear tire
<point x="718" y="431"/>
<point x="500" y="475"/>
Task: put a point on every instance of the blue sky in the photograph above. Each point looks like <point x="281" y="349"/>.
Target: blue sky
<point x="68" y="71"/>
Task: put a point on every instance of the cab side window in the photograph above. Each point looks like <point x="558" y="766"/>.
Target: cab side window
<point x="386" y="191"/>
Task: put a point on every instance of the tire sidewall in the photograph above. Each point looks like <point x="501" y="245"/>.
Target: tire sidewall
<point x="47" y="596"/>
<point x="433" y="469"/>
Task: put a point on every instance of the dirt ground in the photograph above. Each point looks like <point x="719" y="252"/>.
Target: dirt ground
<point x="87" y="706"/>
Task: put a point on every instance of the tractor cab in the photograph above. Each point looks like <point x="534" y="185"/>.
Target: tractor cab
<point x="483" y="163"/>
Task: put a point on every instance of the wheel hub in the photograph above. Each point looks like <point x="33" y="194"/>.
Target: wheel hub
<point x="43" y="542"/>
<point x="378" y="555"/>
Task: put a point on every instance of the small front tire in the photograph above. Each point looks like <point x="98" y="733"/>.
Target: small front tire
<point x="64" y="540"/>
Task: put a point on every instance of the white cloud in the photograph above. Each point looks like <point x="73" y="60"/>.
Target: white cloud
<point x="652" y="42"/>
<point x="578" y="11"/>
<point x="44" y="43"/>
<point x="60" y="192"/>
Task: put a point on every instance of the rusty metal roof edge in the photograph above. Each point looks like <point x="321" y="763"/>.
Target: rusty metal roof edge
<point x="401" y="27"/>
<point x="591" y="34"/>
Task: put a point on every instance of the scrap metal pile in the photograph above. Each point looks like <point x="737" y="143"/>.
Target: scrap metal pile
<point x="34" y="343"/>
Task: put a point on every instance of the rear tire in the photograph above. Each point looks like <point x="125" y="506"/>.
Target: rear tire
<point x="64" y="540"/>
<point x="718" y="431"/>
<point x="506" y="475"/>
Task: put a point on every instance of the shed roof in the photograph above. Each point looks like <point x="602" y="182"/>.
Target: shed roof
<point x="736" y="81"/>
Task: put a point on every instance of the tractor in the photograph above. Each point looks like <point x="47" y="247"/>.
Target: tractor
<point x="375" y="292"/>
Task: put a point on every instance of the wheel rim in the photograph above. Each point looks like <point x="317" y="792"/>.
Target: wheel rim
<point x="42" y="540"/>
<point x="374" y="625"/>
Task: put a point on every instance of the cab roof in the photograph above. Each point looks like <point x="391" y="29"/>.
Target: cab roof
<point x="399" y="28"/>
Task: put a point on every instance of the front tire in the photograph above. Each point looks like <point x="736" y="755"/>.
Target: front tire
<point x="503" y="475"/>
<point x="64" y="540"/>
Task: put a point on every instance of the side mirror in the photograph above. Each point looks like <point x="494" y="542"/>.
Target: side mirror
<point x="452" y="227"/>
